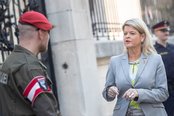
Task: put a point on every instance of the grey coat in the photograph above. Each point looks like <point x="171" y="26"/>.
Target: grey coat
<point x="150" y="82"/>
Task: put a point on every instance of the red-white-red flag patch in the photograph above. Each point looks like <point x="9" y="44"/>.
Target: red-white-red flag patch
<point x="36" y="86"/>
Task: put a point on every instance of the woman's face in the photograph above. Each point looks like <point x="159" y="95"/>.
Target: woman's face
<point x="132" y="38"/>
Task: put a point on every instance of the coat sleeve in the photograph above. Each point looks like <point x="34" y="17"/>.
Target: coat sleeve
<point x="159" y="93"/>
<point x="110" y="81"/>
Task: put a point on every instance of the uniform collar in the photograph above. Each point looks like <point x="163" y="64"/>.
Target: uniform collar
<point x="159" y="45"/>
<point x="19" y="48"/>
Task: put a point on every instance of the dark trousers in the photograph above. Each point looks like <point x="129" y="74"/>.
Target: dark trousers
<point x="169" y="104"/>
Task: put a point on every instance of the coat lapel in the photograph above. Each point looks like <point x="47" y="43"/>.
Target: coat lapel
<point x="143" y="62"/>
<point x="125" y="67"/>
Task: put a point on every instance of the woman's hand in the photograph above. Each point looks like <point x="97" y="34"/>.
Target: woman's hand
<point x="113" y="91"/>
<point x="130" y="94"/>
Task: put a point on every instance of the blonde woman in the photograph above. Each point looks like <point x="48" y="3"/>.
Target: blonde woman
<point x="137" y="77"/>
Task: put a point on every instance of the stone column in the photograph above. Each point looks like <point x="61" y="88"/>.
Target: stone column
<point x="74" y="57"/>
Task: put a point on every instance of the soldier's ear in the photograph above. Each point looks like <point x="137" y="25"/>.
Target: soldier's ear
<point x="40" y="34"/>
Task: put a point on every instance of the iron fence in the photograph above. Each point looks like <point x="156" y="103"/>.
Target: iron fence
<point x="105" y="20"/>
<point x="10" y="10"/>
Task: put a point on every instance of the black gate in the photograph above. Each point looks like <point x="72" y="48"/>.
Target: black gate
<point x="10" y="10"/>
<point x="104" y="18"/>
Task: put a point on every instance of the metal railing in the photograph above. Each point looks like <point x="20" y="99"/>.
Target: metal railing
<point x="104" y="18"/>
<point x="10" y="10"/>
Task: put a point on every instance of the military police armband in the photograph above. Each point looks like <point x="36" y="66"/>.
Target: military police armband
<point x="36" y="86"/>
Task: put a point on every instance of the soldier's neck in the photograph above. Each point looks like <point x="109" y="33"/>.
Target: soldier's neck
<point x="163" y="43"/>
<point x="29" y="47"/>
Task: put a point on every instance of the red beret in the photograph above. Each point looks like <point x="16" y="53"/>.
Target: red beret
<point x="160" y="24"/>
<point x="36" y="19"/>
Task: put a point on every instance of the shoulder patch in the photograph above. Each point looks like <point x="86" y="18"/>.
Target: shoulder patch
<point x="163" y="53"/>
<point x="43" y="83"/>
<point x="3" y="78"/>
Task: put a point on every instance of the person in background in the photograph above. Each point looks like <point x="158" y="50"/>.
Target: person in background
<point x="137" y="77"/>
<point x="24" y="83"/>
<point x="166" y="50"/>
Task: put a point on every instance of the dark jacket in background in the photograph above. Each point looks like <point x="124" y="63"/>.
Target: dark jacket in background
<point x="167" y="54"/>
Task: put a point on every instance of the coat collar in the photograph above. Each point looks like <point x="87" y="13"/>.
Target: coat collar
<point x="125" y="66"/>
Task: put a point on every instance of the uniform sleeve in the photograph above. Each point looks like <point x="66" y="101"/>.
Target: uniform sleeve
<point x="36" y="89"/>
<point x="46" y="105"/>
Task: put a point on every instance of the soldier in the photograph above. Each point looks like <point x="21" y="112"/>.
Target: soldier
<point x="24" y="84"/>
<point x="161" y="31"/>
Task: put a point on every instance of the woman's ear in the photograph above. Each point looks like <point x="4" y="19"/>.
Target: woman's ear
<point x="143" y="37"/>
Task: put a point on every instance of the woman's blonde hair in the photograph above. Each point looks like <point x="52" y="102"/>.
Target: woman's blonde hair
<point x="140" y="26"/>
